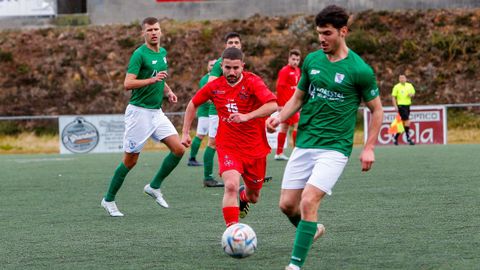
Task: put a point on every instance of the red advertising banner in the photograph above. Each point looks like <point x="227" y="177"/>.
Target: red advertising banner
<point x="428" y="125"/>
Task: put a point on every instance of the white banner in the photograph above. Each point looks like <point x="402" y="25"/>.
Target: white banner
<point x="428" y="125"/>
<point x="27" y="8"/>
<point x="91" y="133"/>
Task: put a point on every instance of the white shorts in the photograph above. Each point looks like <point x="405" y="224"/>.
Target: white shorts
<point x="203" y="125"/>
<point x="213" y="125"/>
<point x="318" y="167"/>
<point x="141" y="124"/>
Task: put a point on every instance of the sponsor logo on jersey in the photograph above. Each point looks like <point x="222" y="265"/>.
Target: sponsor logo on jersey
<point x="218" y="92"/>
<point x="374" y="92"/>
<point x="154" y="62"/>
<point x="314" y="72"/>
<point x="324" y="93"/>
<point x="339" y="77"/>
<point x="243" y="94"/>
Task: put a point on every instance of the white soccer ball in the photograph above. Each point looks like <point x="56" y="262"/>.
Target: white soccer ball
<point x="239" y="240"/>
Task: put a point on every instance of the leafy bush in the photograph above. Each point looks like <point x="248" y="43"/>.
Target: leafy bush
<point x="127" y="42"/>
<point x="461" y="118"/>
<point x="72" y="20"/>
<point x="9" y="128"/>
<point x="6" y="56"/>
<point x="362" y="42"/>
<point x="23" y="69"/>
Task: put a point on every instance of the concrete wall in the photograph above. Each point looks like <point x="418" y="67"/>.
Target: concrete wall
<point x="126" y="11"/>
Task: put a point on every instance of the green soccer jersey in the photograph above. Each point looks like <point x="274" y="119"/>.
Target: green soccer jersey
<point x="202" y="110"/>
<point x="146" y="63"/>
<point x="217" y="68"/>
<point x="217" y="72"/>
<point x="333" y="94"/>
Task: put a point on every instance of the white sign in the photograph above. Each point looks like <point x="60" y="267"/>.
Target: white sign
<point x="91" y="133"/>
<point x="428" y="125"/>
<point x="27" y="8"/>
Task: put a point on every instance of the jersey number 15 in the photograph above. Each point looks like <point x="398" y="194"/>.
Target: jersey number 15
<point x="232" y="107"/>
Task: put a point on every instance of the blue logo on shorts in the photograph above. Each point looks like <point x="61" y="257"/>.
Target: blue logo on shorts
<point x="131" y="145"/>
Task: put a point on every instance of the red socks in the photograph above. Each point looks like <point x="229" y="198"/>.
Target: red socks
<point x="280" y="142"/>
<point x="231" y="215"/>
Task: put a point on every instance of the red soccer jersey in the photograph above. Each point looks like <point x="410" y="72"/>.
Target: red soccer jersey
<point x="247" y="139"/>
<point x="287" y="81"/>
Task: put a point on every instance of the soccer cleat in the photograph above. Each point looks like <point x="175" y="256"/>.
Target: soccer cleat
<point x="194" y="163"/>
<point x="244" y="206"/>
<point x="267" y="179"/>
<point x="281" y="157"/>
<point x="395" y="142"/>
<point x="320" y="232"/>
<point x="212" y="183"/>
<point x="111" y="208"/>
<point x="156" y="194"/>
<point x="410" y="142"/>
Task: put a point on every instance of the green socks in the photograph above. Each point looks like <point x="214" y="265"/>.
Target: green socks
<point x="303" y="241"/>
<point x="117" y="181"/>
<point x="195" y="146"/>
<point x="169" y="163"/>
<point x="208" y="163"/>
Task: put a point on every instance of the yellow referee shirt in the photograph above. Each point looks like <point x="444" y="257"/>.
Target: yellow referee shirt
<point x="400" y="92"/>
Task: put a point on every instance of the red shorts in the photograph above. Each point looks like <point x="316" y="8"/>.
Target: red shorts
<point x="293" y="119"/>
<point x="252" y="170"/>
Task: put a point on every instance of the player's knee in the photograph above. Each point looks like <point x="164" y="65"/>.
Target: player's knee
<point x="231" y="187"/>
<point x="178" y="150"/>
<point x="253" y="197"/>
<point x="287" y="208"/>
<point x="211" y="143"/>
<point x="129" y="163"/>
<point x="309" y="202"/>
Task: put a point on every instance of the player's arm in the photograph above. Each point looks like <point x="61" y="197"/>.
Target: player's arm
<point x="167" y="92"/>
<point x="394" y="99"/>
<point x="394" y="103"/>
<point x="412" y="92"/>
<point x="291" y="107"/>
<point x="198" y="99"/>
<point x="131" y="82"/>
<point x="367" y="157"/>
<point x="187" y="123"/>
<point x="264" y="110"/>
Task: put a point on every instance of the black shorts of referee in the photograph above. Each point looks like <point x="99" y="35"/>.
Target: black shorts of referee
<point x="404" y="111"/>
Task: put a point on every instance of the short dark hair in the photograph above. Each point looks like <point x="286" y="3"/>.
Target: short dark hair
<point x="232" y="54"/>
<point x="334" y="15"/>
<point x="294" y="52"/>
<point x="231" y="35"/>
<point x="149" y="21"/>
